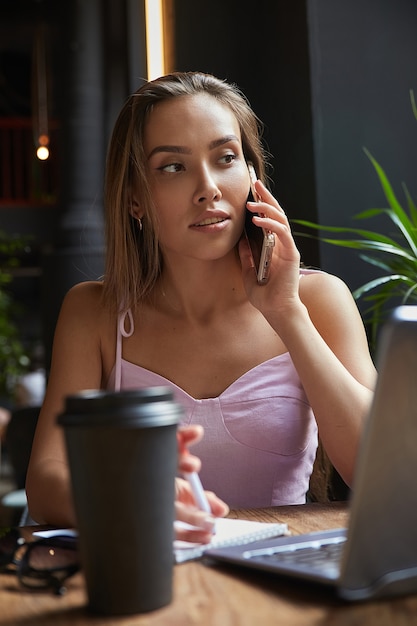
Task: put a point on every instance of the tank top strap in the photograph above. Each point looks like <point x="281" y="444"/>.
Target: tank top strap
<point x="122" y="332"/>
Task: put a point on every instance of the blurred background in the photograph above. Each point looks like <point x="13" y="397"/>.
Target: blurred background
<point x="327" y="78"/>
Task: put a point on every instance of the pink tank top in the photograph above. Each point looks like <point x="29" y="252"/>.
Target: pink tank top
<point x="260" y="435"/>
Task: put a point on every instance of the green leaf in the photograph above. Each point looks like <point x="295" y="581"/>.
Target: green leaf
<point x="397" y="213"/>
<point x="373" y="284"/>
<point x="411" y="205"/>
<point x="367" y="213"/>
<point x="386" y="186"/>
<point x="413" y="103"/>
<point x="359" y="232"/>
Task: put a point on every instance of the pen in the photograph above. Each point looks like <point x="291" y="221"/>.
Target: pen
<point x="198" y="491"/>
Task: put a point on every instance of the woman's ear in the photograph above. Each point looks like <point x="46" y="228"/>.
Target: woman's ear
<point x="135" y="210"/>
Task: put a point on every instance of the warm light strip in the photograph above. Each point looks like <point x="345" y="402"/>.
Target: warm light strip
<point x="154" y="38"/>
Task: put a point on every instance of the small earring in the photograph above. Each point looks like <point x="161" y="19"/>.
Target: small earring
<point x="140" y="223"/>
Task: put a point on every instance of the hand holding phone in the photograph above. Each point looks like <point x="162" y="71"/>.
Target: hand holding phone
<point x="261" y="240"/>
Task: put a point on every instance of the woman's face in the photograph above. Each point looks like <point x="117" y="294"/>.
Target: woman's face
<point x="198" y="176"/>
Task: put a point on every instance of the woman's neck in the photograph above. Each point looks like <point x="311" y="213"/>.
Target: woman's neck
<point x="199" y="291"/>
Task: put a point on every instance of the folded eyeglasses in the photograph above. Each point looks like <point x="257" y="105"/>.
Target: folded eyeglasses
<point x="39" y="564"/>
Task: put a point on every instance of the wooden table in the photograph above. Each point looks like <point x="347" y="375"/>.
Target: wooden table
<point x="219" y="595"/>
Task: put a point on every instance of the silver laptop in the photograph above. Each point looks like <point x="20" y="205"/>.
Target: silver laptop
<point x="376" y="556"/>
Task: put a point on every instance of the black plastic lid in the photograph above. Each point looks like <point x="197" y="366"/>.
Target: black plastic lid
<point x="147" y="406"/>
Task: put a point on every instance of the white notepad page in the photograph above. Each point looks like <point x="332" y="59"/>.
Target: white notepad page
<point x="229" y="532"/>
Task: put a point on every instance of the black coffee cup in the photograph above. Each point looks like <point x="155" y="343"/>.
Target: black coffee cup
<point x="122" y="452"/>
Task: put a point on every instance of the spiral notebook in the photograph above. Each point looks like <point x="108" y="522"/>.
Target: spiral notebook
<point x="229" y="532"/>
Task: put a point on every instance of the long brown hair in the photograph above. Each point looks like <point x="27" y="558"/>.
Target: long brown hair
<point x="133" y="258"/>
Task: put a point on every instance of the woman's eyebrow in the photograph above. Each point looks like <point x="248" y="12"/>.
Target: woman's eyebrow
<point x="184" y="150"/>
<point x="175" y="149"/>
<point x="222" y="140"/>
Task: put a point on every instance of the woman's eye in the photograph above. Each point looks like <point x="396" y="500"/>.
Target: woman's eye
<point x="228" y="158"/>
<point x="171" y="167"/>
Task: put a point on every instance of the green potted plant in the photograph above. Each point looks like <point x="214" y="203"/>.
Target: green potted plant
<point x="395" y="254"/>
<point x="13" y="358"/>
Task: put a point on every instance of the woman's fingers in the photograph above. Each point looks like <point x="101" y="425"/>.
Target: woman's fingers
<point x="219" y="508"/>
<point x="192" y="524"/>
<point x="187" y="512"/>
<point x="188" y="435"/>
<point x="265" y="196"/>
<point x="195" y="525"/>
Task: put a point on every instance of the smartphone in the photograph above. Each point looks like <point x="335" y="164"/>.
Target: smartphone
<point x="261" y="241"/>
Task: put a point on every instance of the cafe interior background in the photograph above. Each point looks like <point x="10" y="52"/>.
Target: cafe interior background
<point x="327" y="77"/>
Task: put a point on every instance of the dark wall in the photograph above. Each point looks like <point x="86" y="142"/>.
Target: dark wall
<point x="265" y="51"/>
<point x="363" y="63"/>
<point x="327" y="77"/>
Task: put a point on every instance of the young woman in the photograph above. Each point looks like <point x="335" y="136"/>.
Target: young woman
<point x="262" y="368"/>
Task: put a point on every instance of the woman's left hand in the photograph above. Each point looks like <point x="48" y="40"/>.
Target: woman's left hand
<point x="282" y="286"/>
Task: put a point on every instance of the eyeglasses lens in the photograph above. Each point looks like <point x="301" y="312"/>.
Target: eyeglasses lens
<point x="42" y="563"/>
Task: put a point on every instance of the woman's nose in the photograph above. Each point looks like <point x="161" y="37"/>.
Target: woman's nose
<point x="207" y="189"/>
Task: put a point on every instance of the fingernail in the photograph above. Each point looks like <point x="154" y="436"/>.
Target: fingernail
<point x="209" y="522"/>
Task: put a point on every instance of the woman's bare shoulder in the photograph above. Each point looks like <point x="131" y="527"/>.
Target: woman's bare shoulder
<point x="90" y="290"/>
<point x="317" y="284"/>
<point x="332" y="307"/>
<point x="87" y="295"/>
<point x="83" y="303"/>
<point x="330" y="302"/>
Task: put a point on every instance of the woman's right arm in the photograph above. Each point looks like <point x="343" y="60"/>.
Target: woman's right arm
<point x="76" y="364"/>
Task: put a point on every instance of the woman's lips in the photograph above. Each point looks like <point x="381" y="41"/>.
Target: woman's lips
<point x="209" y="220"/>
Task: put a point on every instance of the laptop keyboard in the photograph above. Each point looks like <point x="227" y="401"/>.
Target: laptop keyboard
<point x="321" y="556"/>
